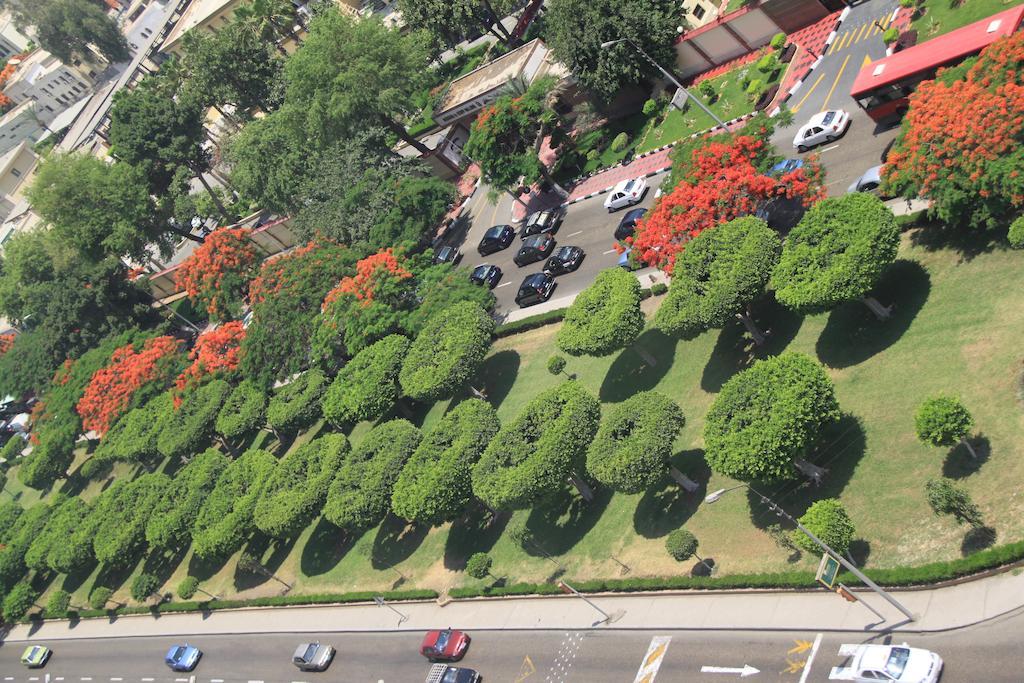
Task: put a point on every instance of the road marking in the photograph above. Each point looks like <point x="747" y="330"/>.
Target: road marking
<point x="838" y="45"/>
<point x="824" y="105"/>
<point x="117" y="679"/>
<point x="862" y="33"/>
<point x="33" y="678"/>
<point x="503" y="284"/>
<point x="150" y="679"/>
<point x="810" y="659"/>
<point x="829" y="148"/>
<point x="573" y="234"/>
<point x="216" y="680"/>
<point x="744" y="671"/>
<point x="86" y="678"/>
<point x="808" y="94"/>
<point x="652" y="660"/>
<point x="801" y="646"/>
<point x="610" y="251"/>
<point x="526" y="670"/>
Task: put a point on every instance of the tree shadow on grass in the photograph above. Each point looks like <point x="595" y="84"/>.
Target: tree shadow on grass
<point x="76" y="579"/>
<point x="396" y="541"/>
<point x="735" y="350"/>
<point x="474" y="532"/>
<point x="162" y="564"/>
<point x="853" y="333"/>
<point x="495" y="378"/>
<point x="860" y="551"/>
<point x="114" y="576"/>
<point x="562" y="520"/>
<point x="977" y="539"/>
<point x="204" y="568"/>
<point x="970" y="243"/>
<point x="667" y="506"/>
<point x="269" y="552"/>
<point x="631" y="372"/>
<point x="325" y="548"/>
<point x="959" y="463"/>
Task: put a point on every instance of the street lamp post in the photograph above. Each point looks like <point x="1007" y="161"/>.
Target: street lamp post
<point x="607" y="44"/>
<point x="774" y="507"/>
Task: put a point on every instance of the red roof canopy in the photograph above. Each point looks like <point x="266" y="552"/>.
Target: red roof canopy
<point x="950" y="48"/>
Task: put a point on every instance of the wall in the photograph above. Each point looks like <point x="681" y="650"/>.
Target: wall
<point x="53" y="86"/>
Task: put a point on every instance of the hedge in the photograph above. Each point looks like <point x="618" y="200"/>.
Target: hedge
<point x="244" y="410"/>
<point x="297" y="405"/>
<point x="185" y="429"/>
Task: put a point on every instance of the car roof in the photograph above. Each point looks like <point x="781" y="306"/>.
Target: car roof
<point x="622" y="184"/>
<point x="535" y="240"/>
<point x="632" y="215"/>
<point x="820" y="116"/>
<point x="873" y="173"/>
<point x="534" y="279"/>
<point x="482" y="267"/>
<point x="497" y="230"/>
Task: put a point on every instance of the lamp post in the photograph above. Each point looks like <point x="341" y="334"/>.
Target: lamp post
<point x="774" y="507"/>
<point x="608" y="43"/>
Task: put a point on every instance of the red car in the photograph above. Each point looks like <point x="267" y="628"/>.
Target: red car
<point x="444" y="646"/>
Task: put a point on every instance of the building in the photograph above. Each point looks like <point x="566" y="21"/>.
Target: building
<point x="12" y="41"/>
<point x="52" y="85"/>
<point x="213" y="15"/>
<point x="445" y="157"/>
<point x="20" y="125"/>
<point x="699" y="12"/>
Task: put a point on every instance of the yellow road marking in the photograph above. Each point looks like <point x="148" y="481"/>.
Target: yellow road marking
<point x="794" y="667"/>
<point x="862" y="32"/>
<point x="526" y="670"/>
<point x="867" y="60"/>
<point x="494" y="214"/>
<point x="838" y="45"/>
<point x="807" y="94"/>
<point x="656" y="653"/>
<point x="801" y="646"/>
<point x="824" y="105"/>
<point x="885" y="21"/>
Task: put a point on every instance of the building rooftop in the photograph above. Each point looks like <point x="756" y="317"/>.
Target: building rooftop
<point x="18" y="111"/>
<point x="486" y="78"/>
<point x="195" y="14"/>
<point x="7" y="160"/>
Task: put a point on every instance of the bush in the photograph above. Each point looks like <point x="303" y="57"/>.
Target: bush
<point x="188" y="587"/>
<point x="778" y="41"/>
<point x="367" y="386"/>
<point x="243" y="411"/>
<point x="593" y="154"/>
<point x="11" y="451"/>
<point x="827" y="519"/>
<point x="942" y="421"/>
<point x="619" y="142"/>
<point x="891" y="35"/>
<point x="1015" y="235"/>
<point x="529" y="323"/>
<point x="946" y="497"/>
<point x="605" y="317"/>
<point x="176" y="509"/>
<point x="707" y="89"/>
<point x="556" y="364"/>
<point x="225" y="520"/>
<point x="658" y="288"/>
<point x="58" y="603"/>
<point x="479" y="565"/>
<point x="19" y="601"/>
<point x="768" y="63"/>
<point x="447" y="352"/>
<point x="754" y="89"/>
<point x="99" y="597"/>
<point x="297" y="405"/>
<point x="650" y="107"/>
<point x="187" y="427"/>
<point x="143" y="586"/>
<point x="681" y="544"/>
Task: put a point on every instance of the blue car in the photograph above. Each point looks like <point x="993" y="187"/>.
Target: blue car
<point x="182" y="657"/>
<point x="785" y="166"/>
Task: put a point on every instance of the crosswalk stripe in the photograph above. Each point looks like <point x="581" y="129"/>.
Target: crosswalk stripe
<point x="652" y="660"/>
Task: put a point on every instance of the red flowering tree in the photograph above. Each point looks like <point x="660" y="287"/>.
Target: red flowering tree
<point x="722" y="181"/>
<point x="373" y="274"/>
<point x="6" y="342"/>
<point x="216" y="275"/>
<point x="962" y="143"/>
<point x="111" y="389"/>
<point x="217" y="353"/>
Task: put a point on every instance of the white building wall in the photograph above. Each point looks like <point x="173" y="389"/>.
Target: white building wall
<point x="52" y="85"/>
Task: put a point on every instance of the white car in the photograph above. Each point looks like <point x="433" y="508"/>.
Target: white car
<point x="824" y="126"/>
<point x="900" y="663"/>
<point x="626" y="193"/>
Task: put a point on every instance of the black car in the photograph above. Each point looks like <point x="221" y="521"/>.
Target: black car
<point x="485" y="275"/>
<point x="536" y="248"/>
<point x="447" y="255"/>
<point x="540" y="222"/>
<point x="564" y="260"/>
<point x="627" y="226"/>
<point x="496" y="239"/>
<point x="535" y="289"/>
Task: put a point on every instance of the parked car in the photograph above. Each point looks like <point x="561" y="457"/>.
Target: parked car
<point x="539" y="222"/>
<point x="442" y="673"/>
<point x="870" y="181"/>
<point x="626" y="193"/>
<point x="534" y="249"/>
<point x="785" y="166"/>
<point x="486" y="274"/>
<point x="627" y="226"/>
<point x="447" y="255"/>
<point x="824" y="126"/>
<point x="623" y="261"/>
<point x="313" y="656"/>
<point x="900" y="663"/>
<point x="36" y="656"/>
<point x="564" y="260"/>
<point x="535" y="289"/>
<point x="496" y="239"/>
<point x="445" y="646"/>
<point x="182" y="657"/>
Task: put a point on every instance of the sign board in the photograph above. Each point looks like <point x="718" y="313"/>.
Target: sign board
<point x="828" y="571"/>
<point x="679" y="99"/>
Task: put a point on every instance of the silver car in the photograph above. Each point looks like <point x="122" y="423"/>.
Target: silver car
<point x="313" y="656"/>
<point x="869" y="182"/>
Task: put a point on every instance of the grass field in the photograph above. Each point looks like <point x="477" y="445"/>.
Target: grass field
<point x="943" y="16"/>
<point x="956" y="328"/>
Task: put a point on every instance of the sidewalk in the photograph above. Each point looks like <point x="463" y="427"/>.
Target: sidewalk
<point x="938" y="609"/>
<point x="646" y="276"/>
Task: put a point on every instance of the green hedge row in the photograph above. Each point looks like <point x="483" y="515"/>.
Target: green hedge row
<point x="542" y="319"/>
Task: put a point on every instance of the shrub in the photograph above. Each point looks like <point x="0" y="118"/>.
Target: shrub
<point x="556" y="364"/>
<point x="187" y="427"/>
<point x="707" y="89"/>
<point x="828" y="520"/>
<point x="188" y="587"/>
<point x="530" y="323"/>
<point x="942" y="421"/>
<point x="243" y="411"/>
<point x="176" y="509"/>
<point x="19" y="601"/>
<point x="754" y="89"/>
<point x="891" y="35"/>
<point x="478" y="565"/>
<point x="658" y="288"/>
<point x="99" y="597"/>
<point x="605" y="317"/>
<point x="11" y="451"/>
<point x="778" y="41"/>
<point x="123" y="511"/>
<point x="946" y="497"/>
<point x="225" y="519"/>
<point x="681" y="544"/>
<point x="1015" y="235"/>
<point x="143" y="586"/>
<point x="650" y="107"/>
<point x="593" y="154"/>
<point x="768" y="63"/>
<point x="447" y="352"/>
<point x="297" y="405"/>
<point x="619" y="142"/>
<point x="367" y="386"/>
<point x="58" y="603"/>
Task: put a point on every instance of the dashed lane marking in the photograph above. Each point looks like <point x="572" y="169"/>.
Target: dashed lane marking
<point x="827" y="149"/>
<point x="150" y="679"/>
<point x="810" y="659"/>
<point x="503" y="284"/>
<point x="117" y="679"/>
<point x="610" y="251"/>
<point x="573" y="234"/>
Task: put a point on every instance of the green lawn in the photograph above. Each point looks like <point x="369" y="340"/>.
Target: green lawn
<point x="942" y="16"/>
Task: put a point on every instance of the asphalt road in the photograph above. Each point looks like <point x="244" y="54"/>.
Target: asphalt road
<point x="987" y="653"/>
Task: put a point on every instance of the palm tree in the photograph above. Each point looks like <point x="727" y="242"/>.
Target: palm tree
<point x="271" y="20"/>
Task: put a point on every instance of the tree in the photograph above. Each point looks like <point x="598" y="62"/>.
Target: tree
<point x="66" y="29"/>
<point x="297" y="488"/>
<point x="367" y="386"/>
<point x="944" y="421"/>
<point x="946" y="497"/>
<point x="371" y="73"/>
<point x="681" y="545"/>
<point x="99" y="597"/>
<point x="360" y="494"/>
<point x="188" y="587"/>
<point x="56" y="547"/>
<point x="575" y="29"/>
<point x="717" y="277"/>
<point x="439" y="287"/>
<point x="225" y="519"/>
<point x="766" y="417"/>
<point x="270" y="157"/>
<point x="133" y="438"/>
<point x="18" y="540"/>
<point x="175" y="510"/>
<point x="605" y="317"/>
<point x="533" y="455"/>
<point x="144" y="587"/>
<point x="19" y="600"/>
<point x="217" y="353"/>
<point x="960" y="145"/>
<point x="836" y="253"/>
<point x="296" y="405"/>
<point x="478" y="565"/>
<point x="270" y="20"/>
<point x="436" y="484"/>
<point x="58" y="604"/>
<point x="243" y="411"/>
<point x="50" y="459"/>
<point x="123" y="511"/>
<point x="634" y="443"/>
<point x="216" y="274"/>
<point x="451" y="22"/>
<point x="447" y="352"/>
<point x="185" y="428"/>
<point x="556" y="365"/>
<point x="1015" y="233"/>
<point x="828" y="520"/>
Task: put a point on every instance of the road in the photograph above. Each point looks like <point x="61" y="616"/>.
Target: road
<point x="989" y="652"/>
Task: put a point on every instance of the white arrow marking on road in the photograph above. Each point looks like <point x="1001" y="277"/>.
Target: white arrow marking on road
<point x="747" y="670"/>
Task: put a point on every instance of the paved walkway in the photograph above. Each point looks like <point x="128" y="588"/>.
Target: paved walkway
<point x="938" y="609"/>
<point x="646" y="276"/>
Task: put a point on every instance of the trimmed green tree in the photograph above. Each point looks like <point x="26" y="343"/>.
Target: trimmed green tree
<point x="837" y="253"/>
<point x="447" y="352"/>
<point x="764" y="419"/>
<point x="123" y="511"/>
<point x="243" y="411"/>
<point x="1015" y="234"/>
<point x="556" y="365"/>
<point x="634" y="443"/>
<point x="99" y="597"/>
<point x="296" y="406"/>
<point x="19" y="600"/>
<point x="946" y="497"/>
<point x="295" y="491"/>
<point x="133" y="438"/>
<point x="533" y="456"/>
<point x="58" y="603"/>
<point x="944" y="421"/>
<point x="144" y="586"/>
<point x="188" y="587"/>
<point x="225" y="520"/>
<point x="436" y="484"/>
<point x="186" y="428"/>
<point x="50" y="459"/>
<point x="605" y="317"/>
<point x="367" y="386"/>
<point x="478" y="565"/>
<point x="717" y="278"/>
<point x="175" y="511"/>
<point x="55" y="546"/>
<point x="828" y="520"/>
<point x="360" y="494"/>
<point x="681" y="545"/>
<point x="12" y="554"/>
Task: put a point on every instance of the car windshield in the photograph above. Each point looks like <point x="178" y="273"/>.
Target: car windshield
<point x="534" y="281"/>
<point x="495" y="231"/>
<point x="442" y="640"/>
<point x="479" y="271"/>
<point x="829" y="115"/>
<point x="451" y="676"/>
<point x="563" y="253"/>
<point x="443" y="252"/>
<point x="34" y="652"/>
<point x="533" y="241"/>
<point x="310" y="652"/>
<point x="178" y="653"/>
<point x="898" y="657"/>
<point x="628" y="186"/>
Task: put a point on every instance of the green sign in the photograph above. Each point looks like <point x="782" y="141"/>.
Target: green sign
<point x="828" y="571"/>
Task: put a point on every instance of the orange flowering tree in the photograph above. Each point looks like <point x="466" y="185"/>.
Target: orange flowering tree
<point x="132" y="368"/>
<point x="216" y="354"/>
<point x="216" y="275"/>
<point x="962" y="143"/>
<point x="6" y="342"/>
